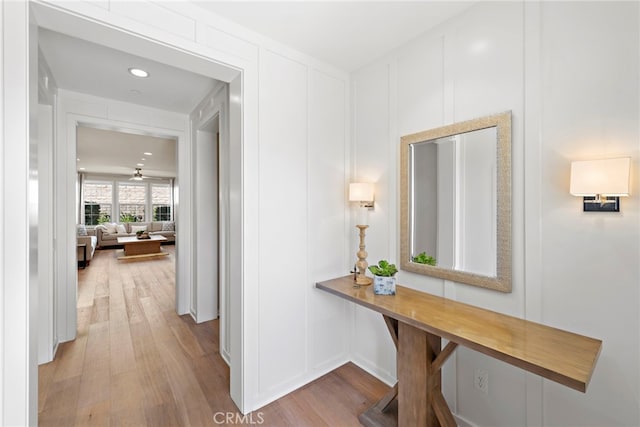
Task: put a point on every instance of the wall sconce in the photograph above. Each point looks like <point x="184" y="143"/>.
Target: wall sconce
<point x="600" y="183"/>
<point x="361" y="192"/>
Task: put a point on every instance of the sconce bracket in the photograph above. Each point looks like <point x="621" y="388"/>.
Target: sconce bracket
<point x="607" y="204"/>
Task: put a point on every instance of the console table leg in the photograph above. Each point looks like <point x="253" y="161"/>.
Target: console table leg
<point x="414" y="385"/>
<point x="443" y="413"/>
<point x="420" y="399"/>
<point x="419" y="388"/>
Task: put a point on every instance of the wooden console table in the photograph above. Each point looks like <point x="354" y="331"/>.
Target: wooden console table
<point x="418" y="321"/>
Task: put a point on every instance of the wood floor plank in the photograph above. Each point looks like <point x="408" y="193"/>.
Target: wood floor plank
<point x="333" y="403"/>
<point x="96" y="372"/>
<point x="165" y="415"/>
<point x="153" y="379"/>
<point x="121" y="346"/>
<point x="127" y="400"/>
<point x="45" y="380"/>
<point x="100" y="309"/>
<point x="86" y="293"/>
<point x="70" y="359"/>
<point x="366" y="385"/>
<point x="135" y="362"/>
<point x="102" y="286"/>
<point x="116" y="295"/>
<point x="187" y="340"/>
<point x="84" y="320"/>
<point x="98" y="414"/>
<point x="190" y="401"/>
<point x="132" y="303"/>
<point x="214" y="384"/>
<point x="60" y="406"/>
<point x="207" y="334"/>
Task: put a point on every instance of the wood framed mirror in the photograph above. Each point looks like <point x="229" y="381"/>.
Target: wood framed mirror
<point x="455" y="211"/>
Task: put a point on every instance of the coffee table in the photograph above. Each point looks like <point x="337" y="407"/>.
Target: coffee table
<point x="134" y="247"/>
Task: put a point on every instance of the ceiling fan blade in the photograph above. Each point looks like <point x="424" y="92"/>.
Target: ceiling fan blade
<point x="137" y="176"/>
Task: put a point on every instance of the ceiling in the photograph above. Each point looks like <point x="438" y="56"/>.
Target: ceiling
<point x="85" y="67"/>
<point x="109" y="152"/>
<point x="346" y="34"/>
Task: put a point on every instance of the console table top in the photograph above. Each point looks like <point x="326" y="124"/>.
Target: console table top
<point x="555" y="354"/>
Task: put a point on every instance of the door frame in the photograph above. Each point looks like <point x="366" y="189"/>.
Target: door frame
<point x="18" y="396"/>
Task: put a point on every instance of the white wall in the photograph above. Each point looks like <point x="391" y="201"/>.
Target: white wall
<point x="302" y="222"/>
<point x="209" y="197"/>
<point x="18" y="385"/>
<point x="47" y="334"/>
<point x="204" y="304"/>
<point x="569" y="73"/>
<point x="47" y="93"/>
<point x="590" y="274"/>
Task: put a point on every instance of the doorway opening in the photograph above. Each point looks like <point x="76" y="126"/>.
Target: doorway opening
<point x="65" y="206"/>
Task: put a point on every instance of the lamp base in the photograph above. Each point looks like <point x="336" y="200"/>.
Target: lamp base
<point x="363" y="280"/>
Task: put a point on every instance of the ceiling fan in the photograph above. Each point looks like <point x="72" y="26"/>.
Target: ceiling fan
<point x="137" y="176"/>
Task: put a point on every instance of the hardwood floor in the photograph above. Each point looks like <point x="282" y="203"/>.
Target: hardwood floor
<point x="135" y="362"/>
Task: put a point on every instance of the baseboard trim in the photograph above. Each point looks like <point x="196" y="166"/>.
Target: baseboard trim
<point x="297" y="383"/>
<point x="383" y="376"/>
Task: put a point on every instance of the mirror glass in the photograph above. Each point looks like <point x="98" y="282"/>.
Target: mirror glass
<point x="456" y="202"/>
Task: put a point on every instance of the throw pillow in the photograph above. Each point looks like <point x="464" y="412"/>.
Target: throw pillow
<point x="168" y="226"/>
<point x="120" y="229"/>
<point x="110" y="227"/>
<point x="136" y="228"/>
<point x="82" y="230"/>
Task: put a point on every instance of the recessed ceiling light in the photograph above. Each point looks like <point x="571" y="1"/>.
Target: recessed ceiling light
<point x="138" y="72"/>
<point x="148" y="154"/>
<point x="139" y="164"/>
<point x="81" y="169"/>
<point x="78" y="159"/>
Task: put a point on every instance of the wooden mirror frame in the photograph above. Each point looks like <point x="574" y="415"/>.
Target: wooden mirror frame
<point x="502" y="281"/>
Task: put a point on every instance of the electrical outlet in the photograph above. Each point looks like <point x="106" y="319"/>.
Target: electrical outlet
<point x="481" y="380"/>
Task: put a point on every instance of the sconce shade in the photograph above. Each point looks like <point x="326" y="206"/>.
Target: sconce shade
<point x="608" y="177"/>
<point x="360" y="192"/>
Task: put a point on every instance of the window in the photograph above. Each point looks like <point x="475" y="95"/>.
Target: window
<point x="131" y="199"/>
<point x="161" y="202"/>
<point x="98" y="199"/>
<point x="117" y="200"/>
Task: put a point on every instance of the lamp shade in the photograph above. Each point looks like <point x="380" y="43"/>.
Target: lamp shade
<point x="608" y="177"/>
<point x="360" y="192"/>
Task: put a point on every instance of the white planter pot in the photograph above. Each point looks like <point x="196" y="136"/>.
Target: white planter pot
<point x="384" y="285"/>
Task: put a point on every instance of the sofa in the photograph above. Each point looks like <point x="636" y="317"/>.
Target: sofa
<point x="87" y="237"/>
<point x="107" y="234"/>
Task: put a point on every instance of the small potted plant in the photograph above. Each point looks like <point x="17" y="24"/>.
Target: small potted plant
<point x="384" y="280"/>
<point x="423" y="258"/>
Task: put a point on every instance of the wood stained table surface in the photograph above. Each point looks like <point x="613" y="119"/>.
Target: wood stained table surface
<point x="559" y="355"/>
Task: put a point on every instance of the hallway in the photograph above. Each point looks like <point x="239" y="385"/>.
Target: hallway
<point x="135" y="362"/>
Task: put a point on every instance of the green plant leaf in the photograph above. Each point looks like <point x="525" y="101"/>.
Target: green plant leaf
<point x="423" y="258"/>
<point x="383" y="269"/>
